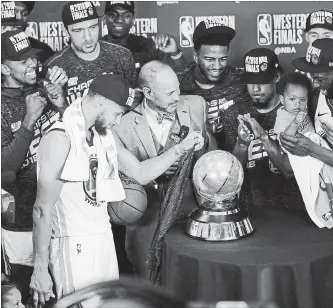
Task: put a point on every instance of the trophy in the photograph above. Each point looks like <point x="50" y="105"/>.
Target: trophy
<point x="218" y="178"/>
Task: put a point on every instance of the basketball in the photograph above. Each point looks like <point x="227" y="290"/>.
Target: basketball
<point x="133" y="207"/>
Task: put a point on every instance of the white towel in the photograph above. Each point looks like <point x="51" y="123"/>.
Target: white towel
<point x="311" y="174"/>
<point x="108" y="185"/>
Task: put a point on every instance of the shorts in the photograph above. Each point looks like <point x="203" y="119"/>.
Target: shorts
<point x="78" y="262"/>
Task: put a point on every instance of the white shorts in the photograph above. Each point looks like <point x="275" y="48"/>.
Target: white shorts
<point x="77" y="262"/>
<point x="17" y="248"/>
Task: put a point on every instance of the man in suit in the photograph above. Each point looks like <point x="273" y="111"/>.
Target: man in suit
<point x="165" y="116"/>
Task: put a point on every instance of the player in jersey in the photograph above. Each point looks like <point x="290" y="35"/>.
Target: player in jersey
<point x="87" y="57"/>
<point x="119" y="19"/>
<point x="248" y="133"/>
<point x="319" y="63"/>
<point x="25" y="115"/>
<point x="19" y="21"/>
<point x="210" y="76"/>
<point x="81" y="248"/>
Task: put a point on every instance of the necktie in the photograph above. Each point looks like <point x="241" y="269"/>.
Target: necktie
<point x="165" y="116"/>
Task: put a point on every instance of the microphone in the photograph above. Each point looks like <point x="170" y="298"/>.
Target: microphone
<point x="184" y="130"/>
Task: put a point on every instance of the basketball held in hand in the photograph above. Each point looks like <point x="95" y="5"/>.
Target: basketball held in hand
<point x="131" y="209"/>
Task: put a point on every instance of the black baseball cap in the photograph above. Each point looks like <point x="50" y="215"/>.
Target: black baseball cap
<point x="319" y="19"/>
<point x="210" y="28"/>
<point x="115" y="88"/>
<point x="74" y="12"/>
<point x="260" y="66"/>
<point x="15" y="46"/>
<point x="318" y="59"/>
<point x="8" y="16"/>
<point x="128" y="5"/>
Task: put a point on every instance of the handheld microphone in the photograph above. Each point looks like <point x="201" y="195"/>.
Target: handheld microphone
<point x="184" y="130"/>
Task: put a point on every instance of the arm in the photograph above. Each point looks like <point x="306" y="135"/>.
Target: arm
<point x="150" y="169"/>
<point x="303" y="146"/>
<point x="127" y="66"/>
<point x="291" y="129"/>
<point x="52" y="154"/>
<point x="272" y="147"/>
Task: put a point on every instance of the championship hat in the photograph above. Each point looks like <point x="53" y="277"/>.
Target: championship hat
<point x="15" y="46"/>
<point x="128" y="5"/>
<point x="8" y="15"/>
<point x="319" y="57"/>
<point x="115" y="88"/>
<point x="260" y="66"/>
<point x="74" y="12"/>
<point x="212" y="29"/>
<point x="320" y="19"/>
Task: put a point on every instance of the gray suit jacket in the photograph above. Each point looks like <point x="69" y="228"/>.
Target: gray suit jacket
<point x="136" y="136"/>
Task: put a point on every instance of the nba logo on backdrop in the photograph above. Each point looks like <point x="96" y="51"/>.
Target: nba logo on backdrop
<point x="264" y="29"/>
<point x="186" y="29"/>
<point x="32" y="30"/>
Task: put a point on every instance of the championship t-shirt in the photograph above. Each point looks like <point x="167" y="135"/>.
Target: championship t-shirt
<point x="112" y="59"/>
<point x="264" y="186"/>
<point x="24" y="189"/>
<point x="225" y="93"/>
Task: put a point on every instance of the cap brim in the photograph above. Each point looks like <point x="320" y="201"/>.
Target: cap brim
<point x="28" y="54"/>
<point x="10" y="23"/>
<point x="302" y="65"/>
<point x="253" y="78"/>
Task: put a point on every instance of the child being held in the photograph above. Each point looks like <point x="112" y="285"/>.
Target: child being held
<point x="311" y="174"/>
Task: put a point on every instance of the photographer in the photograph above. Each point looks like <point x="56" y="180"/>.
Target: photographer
<point x="25" y="115"/>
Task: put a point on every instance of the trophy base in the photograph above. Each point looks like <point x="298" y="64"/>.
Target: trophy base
<point x="218" y="225"/>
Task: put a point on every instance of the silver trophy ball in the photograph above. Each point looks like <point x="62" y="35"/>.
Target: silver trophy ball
<point x="218" y="177"/>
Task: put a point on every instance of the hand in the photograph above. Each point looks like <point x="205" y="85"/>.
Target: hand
<point x="299" y="145"/>
<point x="56" y="95"/>
<point x="57" y="75"/>
<point x="300" y="117"/>
<point x="245" y="136"/>
<point x="258" y="131"/>
<point x="166" y="43"/>
<point x="41" y="286"/>
<point x="193" y="139"/>
<point x="34" y="109"/>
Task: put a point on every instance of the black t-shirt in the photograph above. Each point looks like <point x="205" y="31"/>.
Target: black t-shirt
<point x="225" y="93"/>
<point x="264" y="185"/>
<point x="112" y="59"/>
<point x="13" y="110"/>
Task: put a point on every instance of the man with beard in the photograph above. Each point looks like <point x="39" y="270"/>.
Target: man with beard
<point x="81" y="249"/>
<point x="268" y="175"/>
<point x="210" y="76"/>
<point x="87" y="57"/>
<point x="119" y="18"/>
<point x="25" y="115"/>
<point x="14" y="16"/>
<point x="164" y="114"/>
<point x="319" y="63"/>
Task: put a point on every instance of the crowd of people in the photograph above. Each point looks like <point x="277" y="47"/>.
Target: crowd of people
<point x="119" y="104"/>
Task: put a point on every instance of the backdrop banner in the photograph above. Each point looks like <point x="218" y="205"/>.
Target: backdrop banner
<point x="271" y="24"/>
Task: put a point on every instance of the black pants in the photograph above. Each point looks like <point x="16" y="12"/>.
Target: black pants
<point x="119" y="235"/>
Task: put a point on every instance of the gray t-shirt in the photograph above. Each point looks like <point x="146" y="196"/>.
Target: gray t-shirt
<point x="112" y="59"/>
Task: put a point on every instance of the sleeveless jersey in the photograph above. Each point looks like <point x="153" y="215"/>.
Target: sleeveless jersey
<point x="77" y="213"/>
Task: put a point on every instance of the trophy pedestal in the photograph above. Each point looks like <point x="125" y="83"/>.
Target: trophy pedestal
<point x="218" y="225"/>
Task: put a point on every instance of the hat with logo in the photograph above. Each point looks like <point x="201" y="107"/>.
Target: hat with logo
<point x="8" y="15"/>
<point x="115" y="88"/>
<point x="74" y="12"/>
<point x="319" y="57"/>
<point x="210" y="28"/>
<point x="15" y="46"/>
<point x="128" y="5"/>
<point x="260" y="66"/>
<point x="320" y="19"/>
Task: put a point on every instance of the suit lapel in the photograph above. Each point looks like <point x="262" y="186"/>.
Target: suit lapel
<point x="144" y="134"/>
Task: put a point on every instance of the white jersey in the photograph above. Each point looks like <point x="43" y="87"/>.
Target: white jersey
<point x="77" y="213"/>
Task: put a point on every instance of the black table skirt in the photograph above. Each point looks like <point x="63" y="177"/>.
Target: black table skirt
<point x="287" y="260"/>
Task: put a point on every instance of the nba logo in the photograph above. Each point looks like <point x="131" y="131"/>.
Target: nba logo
<point x="264" y="29"/>
<point x="186" y="29"/>
<point x="32" y="30"/>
